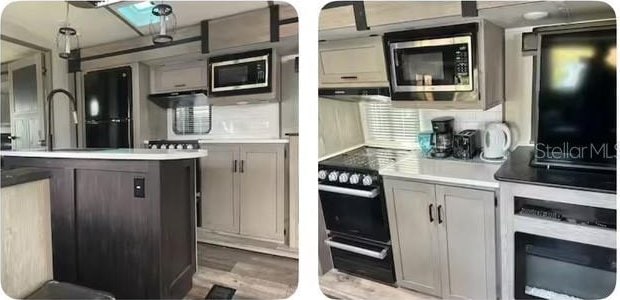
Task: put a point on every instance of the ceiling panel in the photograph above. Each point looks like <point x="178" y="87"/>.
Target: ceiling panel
<point x="41" y="19"/>
<point x="192" y="12"/>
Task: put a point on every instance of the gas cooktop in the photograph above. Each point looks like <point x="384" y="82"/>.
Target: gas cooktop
<point x="366" y="158"/>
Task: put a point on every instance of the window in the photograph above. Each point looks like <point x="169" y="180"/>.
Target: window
<point x="388" y="126"/>
<point x="138" y="14"/>
<point x="192" y="120"/>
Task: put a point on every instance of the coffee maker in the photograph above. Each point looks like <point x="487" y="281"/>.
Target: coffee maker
<point x="443" y="132"/>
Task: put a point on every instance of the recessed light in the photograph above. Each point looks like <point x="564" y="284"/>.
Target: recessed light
<point x="535" y="15"/>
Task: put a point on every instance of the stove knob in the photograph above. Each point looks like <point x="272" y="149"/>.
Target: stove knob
<point x="333" y="176"/>
<point x="344" y="178"/>
<point x="322" y="174"/>
<point x="367" y="180"/>
<point x="153" y="146"/>
<point x="179" y="146"/>
<point x="171" y="146"/>
<point x="189" y="146"/>
<point x="354" y="179"/>
<point x="163" y="146"/>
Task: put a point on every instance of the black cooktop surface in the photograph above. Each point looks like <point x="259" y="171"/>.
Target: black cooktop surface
<point x="517" y="168"/>
<point x="366" y="158"/>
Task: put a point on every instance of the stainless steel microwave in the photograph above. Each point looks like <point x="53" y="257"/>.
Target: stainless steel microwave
<point x="442" y="64"/>
<point x="241" y="73"/>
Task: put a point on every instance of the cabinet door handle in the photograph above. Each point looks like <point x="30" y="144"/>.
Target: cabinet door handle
<point x="348" y="77"/>
<point x="235" y="166"/>
<point x="439" y="214"/>
<point x="430" y="213"/>
<point x="179" y="85"/>
<point x="241" y="168"/>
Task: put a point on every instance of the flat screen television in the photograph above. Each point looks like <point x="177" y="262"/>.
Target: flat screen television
<point x="576" y="125"/>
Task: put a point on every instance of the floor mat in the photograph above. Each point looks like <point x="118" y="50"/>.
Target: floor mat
<point x="220" y="292"/>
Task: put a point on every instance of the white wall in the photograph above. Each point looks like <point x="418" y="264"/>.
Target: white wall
<point x="463" y="119"/>
<point x="518" y="106"/>
<point x="254" y="121"/>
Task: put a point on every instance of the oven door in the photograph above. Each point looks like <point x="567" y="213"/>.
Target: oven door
<point x="437" y="65"/>
<point x="357" y="212"/>
<point x="550" y="268"/>
<point x="241" y="76"/>
<point x="373" y="261"/>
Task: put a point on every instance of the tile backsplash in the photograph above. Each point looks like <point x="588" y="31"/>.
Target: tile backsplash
<point x="463" y="119"/>
<point x="257" y="121"/>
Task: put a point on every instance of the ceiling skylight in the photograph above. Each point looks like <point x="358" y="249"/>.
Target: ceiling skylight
<point x="138" y="14"/>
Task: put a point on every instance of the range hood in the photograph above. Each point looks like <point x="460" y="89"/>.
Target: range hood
<point x="181" y="98"/>
<point x="356" y="93"/>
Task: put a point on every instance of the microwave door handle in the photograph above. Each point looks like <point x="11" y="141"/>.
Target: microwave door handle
<point x="347" y="191"/>
<point x="361" y="251"/>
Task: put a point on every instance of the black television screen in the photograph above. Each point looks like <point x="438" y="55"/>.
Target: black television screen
<point x="577" y="98"/>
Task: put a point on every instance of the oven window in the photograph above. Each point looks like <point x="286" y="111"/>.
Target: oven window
<point x="232" y="75"/>
<point x="253" y="72"/>
<point x="551" y="268"/>
<point x="192" y="119"/>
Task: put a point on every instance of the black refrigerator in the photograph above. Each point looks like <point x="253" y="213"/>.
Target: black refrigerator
<point x="107" y="106"/>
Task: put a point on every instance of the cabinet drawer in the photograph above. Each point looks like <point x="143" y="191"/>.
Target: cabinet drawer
<point x="352" y="62"/>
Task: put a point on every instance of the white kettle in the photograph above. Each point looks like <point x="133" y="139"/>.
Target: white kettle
<point x="495" y="141"/>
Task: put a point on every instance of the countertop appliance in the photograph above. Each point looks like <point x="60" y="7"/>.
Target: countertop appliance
<point x="107" y="107"/>
<point x="432" y="60"/>
<point x="495" y="141"/>
<point x="466" y="144"/>
<point x="354" y="207"/>
<point x="576" y="97"/>
<point x="179" y="145"/>
<point x="443" y="132"/>
<point x="241" y="73"/>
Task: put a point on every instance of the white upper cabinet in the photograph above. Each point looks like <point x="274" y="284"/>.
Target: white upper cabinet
<point x="337" y="18"/>
<point x="239" y="30"/>
<point x="352" y="62"/>
<point x="179" y="77"/>
<point x="390" y="12"/>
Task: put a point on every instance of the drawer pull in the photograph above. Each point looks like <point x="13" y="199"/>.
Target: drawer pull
<point x="361" y="251"/>
<point x="348" y="77"/>
<point x="430" y="213"/>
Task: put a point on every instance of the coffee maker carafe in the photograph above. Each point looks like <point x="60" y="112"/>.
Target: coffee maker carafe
<point x="443" y="132"/>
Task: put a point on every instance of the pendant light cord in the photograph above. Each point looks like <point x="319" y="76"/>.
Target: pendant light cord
<point x="67" y="15"/>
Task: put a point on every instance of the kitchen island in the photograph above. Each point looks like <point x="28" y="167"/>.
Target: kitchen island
<point x="123" y="220"/>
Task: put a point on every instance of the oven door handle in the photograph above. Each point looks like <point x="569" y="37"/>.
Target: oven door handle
<point x="347" y="191"/>
<point x="374" y="254"/>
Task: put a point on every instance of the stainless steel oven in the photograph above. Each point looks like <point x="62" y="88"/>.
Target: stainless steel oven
<point x="241" y="73"/>
<point x="432" y="65"/>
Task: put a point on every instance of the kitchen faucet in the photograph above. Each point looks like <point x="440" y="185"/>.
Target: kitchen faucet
<point x="50" y="96"/>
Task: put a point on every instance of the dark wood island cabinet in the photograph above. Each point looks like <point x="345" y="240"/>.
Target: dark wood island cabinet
<point x="120" y="225"/>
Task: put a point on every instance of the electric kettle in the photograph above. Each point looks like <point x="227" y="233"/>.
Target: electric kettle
<point x="495" y="141"/>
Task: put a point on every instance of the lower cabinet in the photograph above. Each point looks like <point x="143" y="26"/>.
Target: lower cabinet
<point x="443" y="239"/>
<point x="243" y="190"/>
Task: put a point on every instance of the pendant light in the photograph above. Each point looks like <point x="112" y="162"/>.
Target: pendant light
<point x="66" y="38"/>
<point x="163" y="27"/>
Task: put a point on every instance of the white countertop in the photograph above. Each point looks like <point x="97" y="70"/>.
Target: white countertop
<point x="473" y="174"/>
<point x="111" y="154"/>
<point x="244" y="141"/>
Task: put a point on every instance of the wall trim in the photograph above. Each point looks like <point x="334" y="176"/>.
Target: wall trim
<point x="16" y="41"/>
